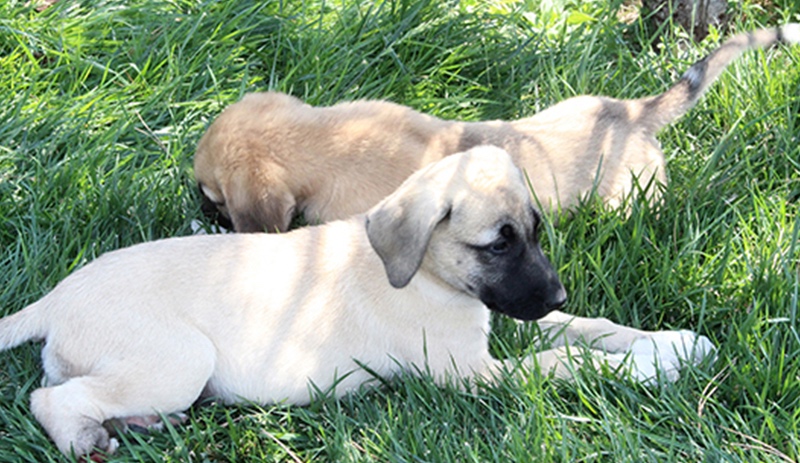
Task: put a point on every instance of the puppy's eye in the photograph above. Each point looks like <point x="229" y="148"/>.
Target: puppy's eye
<point x="503" y="244"/>
<point x="500" y="246"/>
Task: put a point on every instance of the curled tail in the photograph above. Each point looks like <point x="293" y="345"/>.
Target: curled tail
<point x="670" y="105"/>
<point x="22" y="326"/>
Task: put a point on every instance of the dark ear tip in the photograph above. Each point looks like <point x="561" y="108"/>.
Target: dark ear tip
<point x="399" y="282"/>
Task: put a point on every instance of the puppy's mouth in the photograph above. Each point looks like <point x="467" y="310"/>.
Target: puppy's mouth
<point x="523" y="315"/>
<point x="520" y="309"/>
<point x="213" y="210"/>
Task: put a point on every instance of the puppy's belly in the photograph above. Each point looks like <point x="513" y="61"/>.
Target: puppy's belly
<point x="295" y="382"/>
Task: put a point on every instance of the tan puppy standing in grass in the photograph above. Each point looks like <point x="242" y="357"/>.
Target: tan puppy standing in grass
<point x="260" y="317"/>
<point x="270" y="156"/>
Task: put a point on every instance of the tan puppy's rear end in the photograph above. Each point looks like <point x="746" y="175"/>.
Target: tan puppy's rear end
<point x="270" y="156"/>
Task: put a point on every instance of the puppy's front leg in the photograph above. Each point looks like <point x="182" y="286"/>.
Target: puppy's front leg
<point x="644" y="354"/>
<point x="562" y="362"/>
<point x="561" y="329"/>
<point x="647" y="366"/>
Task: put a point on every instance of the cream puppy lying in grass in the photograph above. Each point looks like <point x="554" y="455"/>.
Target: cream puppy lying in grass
<point x="407" y="287"/>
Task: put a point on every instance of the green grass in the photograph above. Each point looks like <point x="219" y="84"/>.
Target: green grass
<point x="104" y="101"/>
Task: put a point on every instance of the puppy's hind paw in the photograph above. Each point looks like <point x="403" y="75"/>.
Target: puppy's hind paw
<point x="93" y="443"/>
<point x="100" y="457"/>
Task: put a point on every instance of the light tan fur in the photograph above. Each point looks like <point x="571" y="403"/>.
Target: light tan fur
<point x="270" y="156"/>
<point x="266" y="317"/>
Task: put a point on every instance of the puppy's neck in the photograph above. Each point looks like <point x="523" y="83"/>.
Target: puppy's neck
<point x="448" y="302"/>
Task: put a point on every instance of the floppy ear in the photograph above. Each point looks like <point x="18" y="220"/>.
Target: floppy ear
<point x="400" y="227"/>
<point x="256" y="205"/>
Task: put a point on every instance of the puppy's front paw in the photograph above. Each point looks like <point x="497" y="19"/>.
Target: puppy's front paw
<point x="660" y="354"/>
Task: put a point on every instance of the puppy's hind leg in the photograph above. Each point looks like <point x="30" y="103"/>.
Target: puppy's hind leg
<point x="72" y="417"/>
<point x="166" y="379"/>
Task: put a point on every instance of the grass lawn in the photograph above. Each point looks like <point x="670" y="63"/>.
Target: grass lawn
<point x="105" y="100"/>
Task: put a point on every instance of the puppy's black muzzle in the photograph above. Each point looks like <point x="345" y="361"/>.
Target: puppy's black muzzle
<point x="525" y="287"/>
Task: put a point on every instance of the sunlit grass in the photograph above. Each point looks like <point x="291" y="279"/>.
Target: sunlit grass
<point x="104" y="101"/>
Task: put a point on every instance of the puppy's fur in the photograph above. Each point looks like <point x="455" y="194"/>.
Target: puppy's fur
<point x="258" y="317"/>
<point x="269" y="156"/>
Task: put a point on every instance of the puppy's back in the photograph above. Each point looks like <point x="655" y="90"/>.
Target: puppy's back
<point x="270" y="156"/>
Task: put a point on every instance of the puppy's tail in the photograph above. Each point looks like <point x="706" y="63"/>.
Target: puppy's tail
<point x="22" y="326"/>
<point x="670" y="105"/>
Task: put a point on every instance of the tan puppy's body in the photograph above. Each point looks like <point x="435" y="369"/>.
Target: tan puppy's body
<point x="263" y="317"/>
<point x="270" y="156"/>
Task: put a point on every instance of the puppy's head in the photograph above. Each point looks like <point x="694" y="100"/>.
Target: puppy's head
<point x="248" y="205"/>
<point x="242" y="186"/>
<point x="468" y="221"/>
